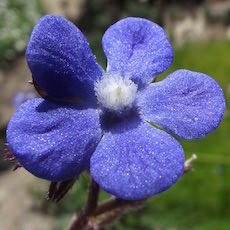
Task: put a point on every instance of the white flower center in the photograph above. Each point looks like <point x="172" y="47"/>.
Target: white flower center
<point x="115" y="93"/>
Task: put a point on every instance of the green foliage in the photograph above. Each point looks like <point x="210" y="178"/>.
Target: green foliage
<point x="17" y="18"/>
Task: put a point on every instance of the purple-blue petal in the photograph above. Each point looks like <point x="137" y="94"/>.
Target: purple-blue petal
<point x="187" y="104"/>
<point x="60" y="59"/>
<point x="51" y="140"/>
<point x="138" y="48"/>
<point x="136" y="161"/>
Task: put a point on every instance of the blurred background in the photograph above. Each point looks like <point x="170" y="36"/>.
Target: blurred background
<point x="200" y="34"/>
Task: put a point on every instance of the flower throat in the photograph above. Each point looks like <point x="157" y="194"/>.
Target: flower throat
<point x="115" y="93"/>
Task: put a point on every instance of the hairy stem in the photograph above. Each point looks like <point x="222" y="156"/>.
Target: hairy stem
<point x="80" y="221"/>
<point x="110" y="211"/>
<point x="115" y="203"/>
<point x="106" y="219"/>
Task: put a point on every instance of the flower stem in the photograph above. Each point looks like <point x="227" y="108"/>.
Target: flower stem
<point x="110" y="211"/>
<point x="80" y="221"/>
<point x="114" y="203"/>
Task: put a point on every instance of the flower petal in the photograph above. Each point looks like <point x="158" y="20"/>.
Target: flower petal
<point x="51" y="140"/>
<point x="187" y="104"/>
<point x="137" y="48"/>
<point x="60" y="59"/>
<point x="136" y="161"/>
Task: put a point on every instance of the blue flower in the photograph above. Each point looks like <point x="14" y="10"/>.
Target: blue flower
<point x="110" y="129"/>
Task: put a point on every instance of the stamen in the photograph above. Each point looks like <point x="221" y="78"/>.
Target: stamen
<point x="115" y="93"/>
